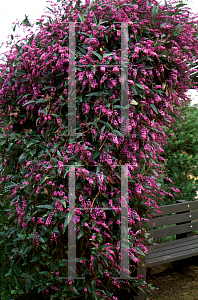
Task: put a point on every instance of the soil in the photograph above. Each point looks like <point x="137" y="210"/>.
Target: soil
<point x="180" y="281"/>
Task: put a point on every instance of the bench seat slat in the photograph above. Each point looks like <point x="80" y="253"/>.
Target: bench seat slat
<point x="173" y="257"/>
<point x="172" y="230"/>
<point x="171" y="249"/>
<point x="177" y="243"/>
<point x="174" y="219"/>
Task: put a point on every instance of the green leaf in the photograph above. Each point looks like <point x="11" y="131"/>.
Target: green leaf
<point x="105" y="123"/>
<point x="134" y="89"/>
<point x="162" y="25"/>
<point x="75" y="290"/>
<point x="117" y="175"/>
<point x="81" y="233"/>
<point x="31" y="101"/>
<point x="55" y="116"/>
<point x="22" y="157"/>
<point x="140" y="59"/>
<point x="88" y="287"/>
<point x="95" y="94"/>
<point x="50" y="9"/>
<point x="41" y="100"/>
<point x="118" y="132"/>
<point x="153" y="10"/>
<point x="103" y="256"/>
<point x="41" y="240"/>
<point x="86" y="11"/>
<point x="46" y="88"/>
<point x="43" y="180"/>
<point x="117" y="106"/>
<point x="44" y="111"/>
<point x="96" y="154"/>
<point x="154" y="108"/>
<point x="9" y="273"/>
<point x="90" y="38"/>
<point x="158" y="91"/>
<point x="9" y="146"/>
<point x="107" y="54"/>
<point x="178" y="25"/>
<point x="25" y="275"/>
<point x="45" y="206"/>
<point x="157" y="8"/>
<point x="139" y="85"/>
<point x="26" y="21"/>
<point x="27" y="287"/>
<point x="83" y="51"/>
<point x="58" y="152"/>
<point x="86" y="35"/>
<point x="65" y="223"/>
<point x="93" y="284"/>
<point x="44" y="272"/>
<point x="97" y="54"/>
<point x="80" y="17"/>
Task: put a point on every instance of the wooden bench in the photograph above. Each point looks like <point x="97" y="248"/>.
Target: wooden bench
<point x="186" y="243"/>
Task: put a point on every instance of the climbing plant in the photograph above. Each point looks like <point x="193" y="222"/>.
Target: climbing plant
<point x="37" y="150"/>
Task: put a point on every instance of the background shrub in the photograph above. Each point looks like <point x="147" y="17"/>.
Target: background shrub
<point x="181" y="154"/>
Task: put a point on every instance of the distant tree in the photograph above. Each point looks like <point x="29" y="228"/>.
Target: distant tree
<point x="181" y="154"/>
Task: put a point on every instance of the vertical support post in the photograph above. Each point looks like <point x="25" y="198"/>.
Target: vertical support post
<point x="186" y="234"/>
<point x="141" y="270"/>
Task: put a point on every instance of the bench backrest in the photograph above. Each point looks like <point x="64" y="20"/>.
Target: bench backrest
<point x="186" y="211"/>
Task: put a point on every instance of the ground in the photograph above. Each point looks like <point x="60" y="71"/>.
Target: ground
<point x="178" y="282"/>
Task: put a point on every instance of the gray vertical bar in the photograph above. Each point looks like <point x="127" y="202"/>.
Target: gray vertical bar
<point x="124" y="225"/>
<point x="124" y="222"/>
<point x="124" y="75"/>
<point x="72" y="228"/>
<point x="72" y="82"/>
<point x="71" y="225"/>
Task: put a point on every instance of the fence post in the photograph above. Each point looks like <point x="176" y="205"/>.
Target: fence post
<point x="141" y="270"/>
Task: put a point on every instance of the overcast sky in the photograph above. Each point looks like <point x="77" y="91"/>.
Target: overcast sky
<point x="15" y="10"/>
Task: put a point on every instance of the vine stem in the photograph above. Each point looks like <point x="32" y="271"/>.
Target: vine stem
<point x="94" y="200"/>
<point x="102" y="144"/>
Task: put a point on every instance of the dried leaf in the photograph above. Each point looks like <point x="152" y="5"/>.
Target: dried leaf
<point x="133" y="102"/>
<point x="89" y="87"/>
<point x="45" y="191"/>
<point x="31" y="116"/>
<point x="163" y="86"/>
<point x="110" y="179"/>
